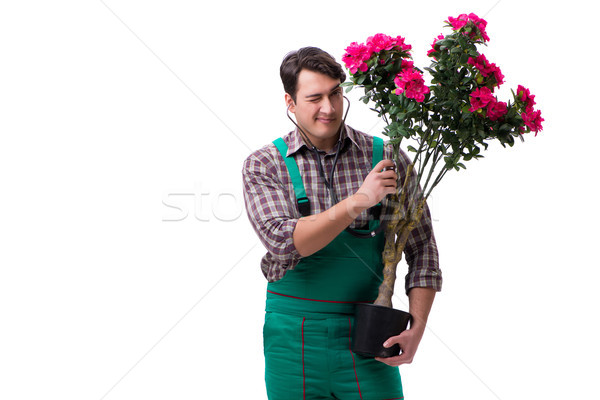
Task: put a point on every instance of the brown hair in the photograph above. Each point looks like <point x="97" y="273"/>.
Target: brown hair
<point x="312" y="59"/>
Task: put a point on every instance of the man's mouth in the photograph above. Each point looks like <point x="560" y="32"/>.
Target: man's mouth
<point x="326" y="120"/>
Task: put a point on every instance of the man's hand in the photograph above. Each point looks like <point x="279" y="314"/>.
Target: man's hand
<point x="380" y="182"/>
<point x="420" y="300"/>
<point x="408" y="341"/>
<point x="314" y="232"/>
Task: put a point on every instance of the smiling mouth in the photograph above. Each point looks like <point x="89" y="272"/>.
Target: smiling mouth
<point x="326" y="120"/>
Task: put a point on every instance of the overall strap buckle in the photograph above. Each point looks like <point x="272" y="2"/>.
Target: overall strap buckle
<point x="303" y="206"/>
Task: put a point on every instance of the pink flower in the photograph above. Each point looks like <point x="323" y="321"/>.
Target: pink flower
<point x="401" y="45"/>
<point x="533" y="119"/>
<point x="411" y="83"/>
<point x="498" y="76"/>
<point x="496" y="110"/>
<point x="480" y="98"/>
<point x="487" y="68"/>
<point x="480" y="62"/>
<point x="463" y="20"/>
<point x="356" y="57"/>
<point x="524" y="96"/>
<point x="407" y="64"/>
<point x="458" y="22"/>
<point x="380" y="42"/>
<point x="480" y="23"/>
<point x="433" y="50"/>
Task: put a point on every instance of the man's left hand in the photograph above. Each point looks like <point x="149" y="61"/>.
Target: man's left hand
<point x="408" y="341"/>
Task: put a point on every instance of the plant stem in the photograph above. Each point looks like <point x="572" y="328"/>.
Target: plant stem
<point x="391" y="258"/>
<point x="436" y="159"/>
<point x="441" y="174"/>
<point x="437" y="180"/>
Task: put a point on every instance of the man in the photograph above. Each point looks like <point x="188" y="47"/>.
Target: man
<point x="312" y="197"/>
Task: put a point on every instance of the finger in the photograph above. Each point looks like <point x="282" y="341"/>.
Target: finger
<point x="392" y="340"/>
<point x="396" y="360"/>
<point x="384" y="164"/>
<point x="385" y="361"/>
<point x="391" y="361"/>
<point x="387" y="179"/>
<point x="389" y="174"/>
<point x="389" y="182"/>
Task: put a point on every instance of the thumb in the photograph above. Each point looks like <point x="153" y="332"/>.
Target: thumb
<point x="392" y="341"/>
<point x="384" y="165"/>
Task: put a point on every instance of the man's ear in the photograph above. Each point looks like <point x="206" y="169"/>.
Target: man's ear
<point x="290" y="103"/>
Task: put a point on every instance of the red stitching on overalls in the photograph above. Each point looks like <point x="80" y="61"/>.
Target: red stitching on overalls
<point x="303" y="376"/>
<point x="322" y="301"/>
<point x="353" y="363"/>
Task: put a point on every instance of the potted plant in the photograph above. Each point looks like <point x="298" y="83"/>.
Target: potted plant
<point x="447" y="123"/>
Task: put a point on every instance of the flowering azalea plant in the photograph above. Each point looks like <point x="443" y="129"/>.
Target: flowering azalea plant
<point x="447" y="121"/>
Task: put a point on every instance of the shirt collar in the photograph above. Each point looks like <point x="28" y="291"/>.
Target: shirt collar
<point x="297" y="143"/>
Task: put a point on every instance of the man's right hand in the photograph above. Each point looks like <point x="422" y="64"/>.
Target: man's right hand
<point x="314" y="232"/>
<point x="377" y="185"/>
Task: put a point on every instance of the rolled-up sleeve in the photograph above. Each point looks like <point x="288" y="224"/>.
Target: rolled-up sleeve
<point x="422" y="256"/>
<point x="270" y="211"/>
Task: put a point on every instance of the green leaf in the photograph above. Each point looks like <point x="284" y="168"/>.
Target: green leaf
<point x="505" y="128"/>
<point x="395" y="141"/>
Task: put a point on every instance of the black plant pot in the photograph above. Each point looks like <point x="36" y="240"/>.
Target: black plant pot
<point x="373" y="325"/>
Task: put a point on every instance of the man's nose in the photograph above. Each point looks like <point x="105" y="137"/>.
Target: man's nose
<point x="327" y="106"/>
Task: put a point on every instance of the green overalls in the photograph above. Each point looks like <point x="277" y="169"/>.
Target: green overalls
<point x="309" y="317"/>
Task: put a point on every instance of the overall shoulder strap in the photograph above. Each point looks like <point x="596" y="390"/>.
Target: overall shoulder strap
<point x="292" y="167"/>
<point x="377" y="150"/>
<point x="377" y="156"/>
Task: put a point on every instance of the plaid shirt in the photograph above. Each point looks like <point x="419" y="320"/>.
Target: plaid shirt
<point x="271" y="202"/>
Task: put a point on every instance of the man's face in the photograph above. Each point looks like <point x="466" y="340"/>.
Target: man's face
<point x="318" y="108"/>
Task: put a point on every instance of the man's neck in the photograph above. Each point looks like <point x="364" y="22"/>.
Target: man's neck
<point x="327" y="144"/>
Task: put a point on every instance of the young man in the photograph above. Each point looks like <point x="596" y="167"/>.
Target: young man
<point x="312" y="197"/>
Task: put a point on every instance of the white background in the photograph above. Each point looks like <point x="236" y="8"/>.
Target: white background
<point x="129" y="269"/>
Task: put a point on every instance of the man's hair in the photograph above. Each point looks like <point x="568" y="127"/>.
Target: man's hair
<point x="312" y="59"/>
